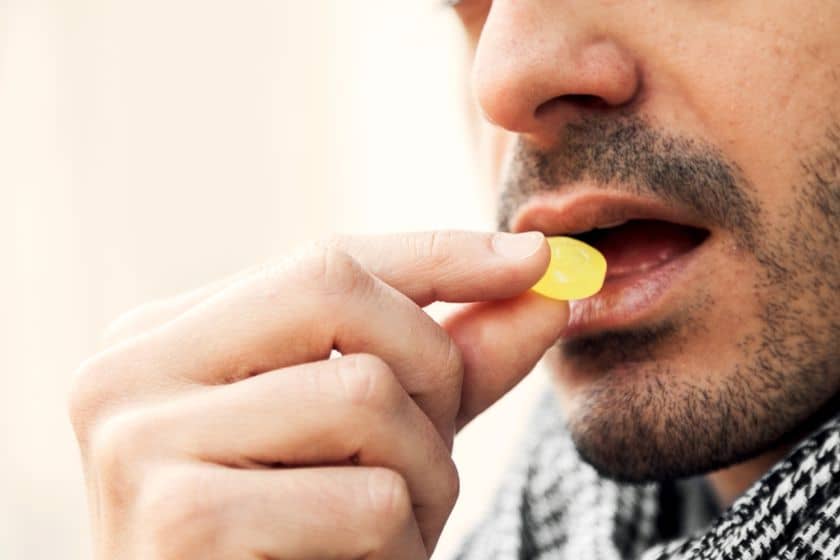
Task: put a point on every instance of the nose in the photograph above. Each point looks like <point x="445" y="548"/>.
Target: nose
<point x="538" y="65"/>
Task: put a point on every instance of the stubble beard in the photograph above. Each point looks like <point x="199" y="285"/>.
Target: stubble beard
<point x="641" y="419"/>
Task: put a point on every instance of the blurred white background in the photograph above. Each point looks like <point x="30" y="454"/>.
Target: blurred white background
<point x="150" y="147"/>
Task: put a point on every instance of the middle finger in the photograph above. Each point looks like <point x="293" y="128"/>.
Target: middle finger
<point x="290" y="315"/>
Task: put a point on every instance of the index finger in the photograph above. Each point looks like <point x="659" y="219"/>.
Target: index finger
<point x="452" y="265"/>
<point x="448" y="265"/>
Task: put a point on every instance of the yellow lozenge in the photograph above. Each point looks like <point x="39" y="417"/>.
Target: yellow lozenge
<point x="576" y="270"/>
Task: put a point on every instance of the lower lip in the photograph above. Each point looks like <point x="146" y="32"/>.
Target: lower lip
<point x="630" y="299"/>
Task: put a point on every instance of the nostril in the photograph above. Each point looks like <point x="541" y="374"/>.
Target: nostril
<point x="579" y="100"/>
<point x="585" y="100"/>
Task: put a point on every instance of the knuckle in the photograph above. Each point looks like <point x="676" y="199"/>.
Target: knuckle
<point x="367" y="382"/>
<point x="438" y="457"/>
<point x="389" y="499"/>
<point x="117" y="443"/>
<point x="453" y="364"/>
<point x="435" y="248"/>
<point x="450" y="484"/>
<point x="333" y="271"/>
<point x="85" y="396"/>
<point x="129" y="323"/>
<point x="179" y="511"/>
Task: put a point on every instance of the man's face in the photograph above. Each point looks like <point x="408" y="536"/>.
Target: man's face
<point x="708" y="343"/>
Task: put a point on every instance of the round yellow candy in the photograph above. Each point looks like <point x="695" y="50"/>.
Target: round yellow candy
<point x="576" y="270"/>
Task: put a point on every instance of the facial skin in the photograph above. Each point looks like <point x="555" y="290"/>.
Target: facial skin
<point x="726" y="110"/>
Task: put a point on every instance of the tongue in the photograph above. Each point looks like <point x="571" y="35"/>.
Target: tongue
<point x="641" y="245"/>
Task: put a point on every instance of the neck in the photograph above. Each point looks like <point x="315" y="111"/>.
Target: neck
<point x="729" y="483"/>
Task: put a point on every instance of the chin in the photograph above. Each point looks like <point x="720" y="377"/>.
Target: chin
<point x="652" y="404"/>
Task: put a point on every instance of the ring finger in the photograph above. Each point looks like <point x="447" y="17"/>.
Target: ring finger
<point x="329" y="412"/>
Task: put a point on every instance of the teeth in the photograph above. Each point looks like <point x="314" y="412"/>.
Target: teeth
<point x="612" y="225"/>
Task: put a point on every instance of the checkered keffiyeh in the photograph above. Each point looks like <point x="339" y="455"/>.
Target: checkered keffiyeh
<point x="553" y="505"/>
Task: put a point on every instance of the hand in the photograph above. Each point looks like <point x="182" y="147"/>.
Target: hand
<point x="214" y="425"/>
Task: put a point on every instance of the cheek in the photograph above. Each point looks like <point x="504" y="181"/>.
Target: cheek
<point x="764" y="99"/>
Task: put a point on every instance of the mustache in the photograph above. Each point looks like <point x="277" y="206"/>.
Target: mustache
<point x="626" y="153"/>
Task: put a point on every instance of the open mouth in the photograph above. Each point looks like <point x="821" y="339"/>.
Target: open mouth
<point x="638" y="246"/>
<point x="651" y="251"/>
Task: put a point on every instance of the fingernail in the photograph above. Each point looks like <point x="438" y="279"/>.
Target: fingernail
<point x="517" y="245"/>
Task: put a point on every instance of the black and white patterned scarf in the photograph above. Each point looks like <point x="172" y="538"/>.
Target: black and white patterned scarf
<point x="553" y="505"/>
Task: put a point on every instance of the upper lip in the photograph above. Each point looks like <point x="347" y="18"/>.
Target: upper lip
<point x="569" y="214"/>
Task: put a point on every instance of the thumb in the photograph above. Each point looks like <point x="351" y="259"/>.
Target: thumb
<point x="501" y="342"/>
